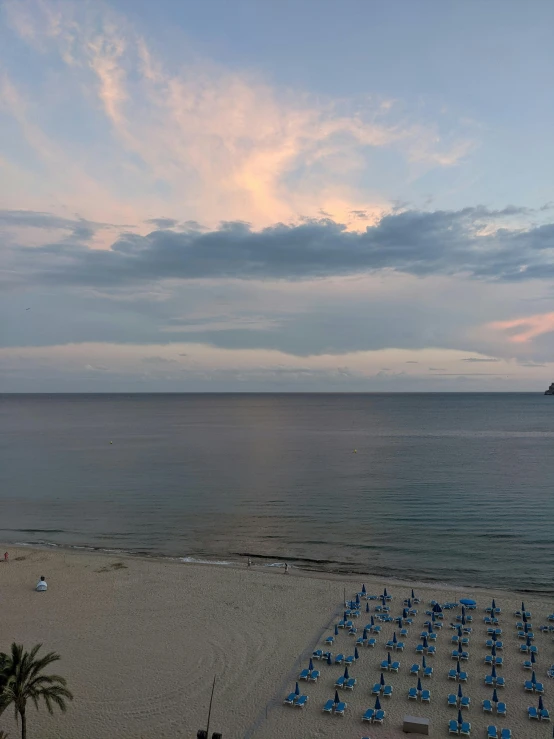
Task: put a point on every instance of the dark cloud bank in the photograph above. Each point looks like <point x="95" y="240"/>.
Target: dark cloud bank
<point x="414" y="242"/>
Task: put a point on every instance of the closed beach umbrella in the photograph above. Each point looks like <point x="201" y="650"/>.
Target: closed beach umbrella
<point x="533" y="658"/>
<point x="345" y="616"/>
<point x="311" y="665"/>
<point x="463" y="611"/>
<point x="356" y="653"/>
<point x="409" y="603"/>
<point x="463" y="620"/>
<point x="494" y="696"/>
<point x="425" y="644"/>
<point x="458" y="667"/>
<point x="389" y="660"/>
<point x="522" y="606"/>
<point x="377" y="704"/>
<point x="336" y="630"/>
<point x="337" y="699"/>
<point x="367" y="607"/>
<point x="533" y="677"/>
<point x="364" y="635"/>
<point x="363" y="590"/>
<point x="385" y="592"/>
<point x="423" y="663"/>
<point x="493" y="651"/>
<point x="493" y="604"/>
<point x="459" y="631"/>
<point x="404" y="613"/>
<point x="346" y="675"/>
<point x="460" y="719"/>
<point x="297" y="689"/>
<point x="394" y="640"/>
<point x="541" y="704"/>
<point x="382" y="681"/>
<point x="372" y="621"/>
<point x="460" y="694"/>
<point x="413" y="596"/>
<point x="419" y="685"/>
<point x="528" y="642"/>
<point x="329" y="658"/>
<point x="357" y="599"/>
<point x="430" y="628"/>
<point x="493" y="671"/>
<point x="383" y="599"/>
<point x="433" y="619"/>
<point x="526" y="627"/>
<point x="524" y="619"/>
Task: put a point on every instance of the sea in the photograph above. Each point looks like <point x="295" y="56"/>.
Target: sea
<point x="454" y="488"/>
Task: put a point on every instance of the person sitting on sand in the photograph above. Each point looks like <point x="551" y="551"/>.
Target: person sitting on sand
<point x="41" y="585"/>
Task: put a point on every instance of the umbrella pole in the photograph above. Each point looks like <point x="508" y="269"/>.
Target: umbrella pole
<point x="210" y="709"/>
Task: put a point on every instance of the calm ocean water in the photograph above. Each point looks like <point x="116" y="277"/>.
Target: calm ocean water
<point x="450" y="487"/>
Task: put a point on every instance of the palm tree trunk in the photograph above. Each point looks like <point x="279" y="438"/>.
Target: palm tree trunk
<point x="23" y="725"/>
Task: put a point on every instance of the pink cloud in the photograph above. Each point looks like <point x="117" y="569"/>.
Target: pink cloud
<point x="521" y="330"/>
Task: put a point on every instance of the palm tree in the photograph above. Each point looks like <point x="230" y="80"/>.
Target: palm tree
<point x="21" y="680"/>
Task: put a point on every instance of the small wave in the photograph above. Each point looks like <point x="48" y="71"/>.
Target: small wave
<point x="197" y="561"/>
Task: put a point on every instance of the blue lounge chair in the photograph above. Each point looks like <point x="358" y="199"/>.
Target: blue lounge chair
<point x="487" y="706"/>
<point x="498" y="661"/>
<point x="428" y="672"/>
<point x="349" y="685"/>
<point x="465" y="700"/>
<point x="452" y="700"/>
<point x="379" y="716"/>
<point x="340" y="682"/>
<point x="532" y="712"/>
<point x="384" y="665"/>
<point x="371" y="642"/>
<point x="304" y="675"/>
<point x="452" y="674"/>
<point x="394" y="667"/>
<point x="539" y="688"/>
<point x="501" y="708"/>
<point x="462" y="676"/>
<point x="360" y="641"/>
<point x="353" y="631"/>
<point x="412" y="694"/>
<point x="387" y="691"/>
<point x="289" y="700"/>
<point x="339" y="659"/>
<point x="523" y="648"/>
<point x="419" y="649"/>
<point x="314" y="674"/>
<point x="453" y="727"/>
<point x="328" y="707"/>
<point x="533" y="649"/>
<point x="506" y="734"/>
<point x="489" y="681"/>
<point x="368" y="715"/>
<point x="403" y="632"/>
<point x="376" y="689"/>
<point x="340" y="708"/>
<point x="301" y="701"/>
<point x="389" y="644"/>
<point x="350" y="660"/>
<point x="318" y="654"/>
<point x="414" y="669"/>
<point x="545" y="715"/>
<point x="500" y="682"/>
<point x="492" y="732"/>
<point x="330" y="640"/>
<point x="527" y="664"/>
<point x="488" y="659"/>
<point x="528" y="685"/>
<point x="399" y="646"/>
<point x="431" y="650"/>
<point x="426" y="696"/>
<point x="465" y="728"/>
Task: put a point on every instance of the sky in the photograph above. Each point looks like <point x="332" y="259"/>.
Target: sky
<point x="267" y="195"/>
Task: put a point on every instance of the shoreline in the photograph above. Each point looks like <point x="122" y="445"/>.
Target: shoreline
<point x="238" y="561"/>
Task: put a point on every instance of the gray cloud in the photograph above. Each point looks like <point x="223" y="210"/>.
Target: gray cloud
<point x="414" y="242"/>
<point x="479" y="359"/>
<point x="162" y="222"/>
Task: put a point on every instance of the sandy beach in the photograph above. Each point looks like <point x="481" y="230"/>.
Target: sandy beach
<point x="141" y="640"/>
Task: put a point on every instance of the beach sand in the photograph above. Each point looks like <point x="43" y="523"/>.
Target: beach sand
<point x="141" y="640"/>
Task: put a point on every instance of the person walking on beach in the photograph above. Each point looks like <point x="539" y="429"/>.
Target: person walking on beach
<point x="286" y="568"/>
<point x="6" y="557"/>
<point x="249" y="562"/>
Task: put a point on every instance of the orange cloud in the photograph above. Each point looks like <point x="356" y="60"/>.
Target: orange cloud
<point x="222" y="145"/>
<point x="522" y="330"/>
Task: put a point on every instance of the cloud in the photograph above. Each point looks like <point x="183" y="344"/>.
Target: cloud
<point x="162" y="222"/>
<point x="419" y="243"/>
<point x="480" y="359"/>
<point x="221" y="140"/>
<point x="522" y="330"/>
